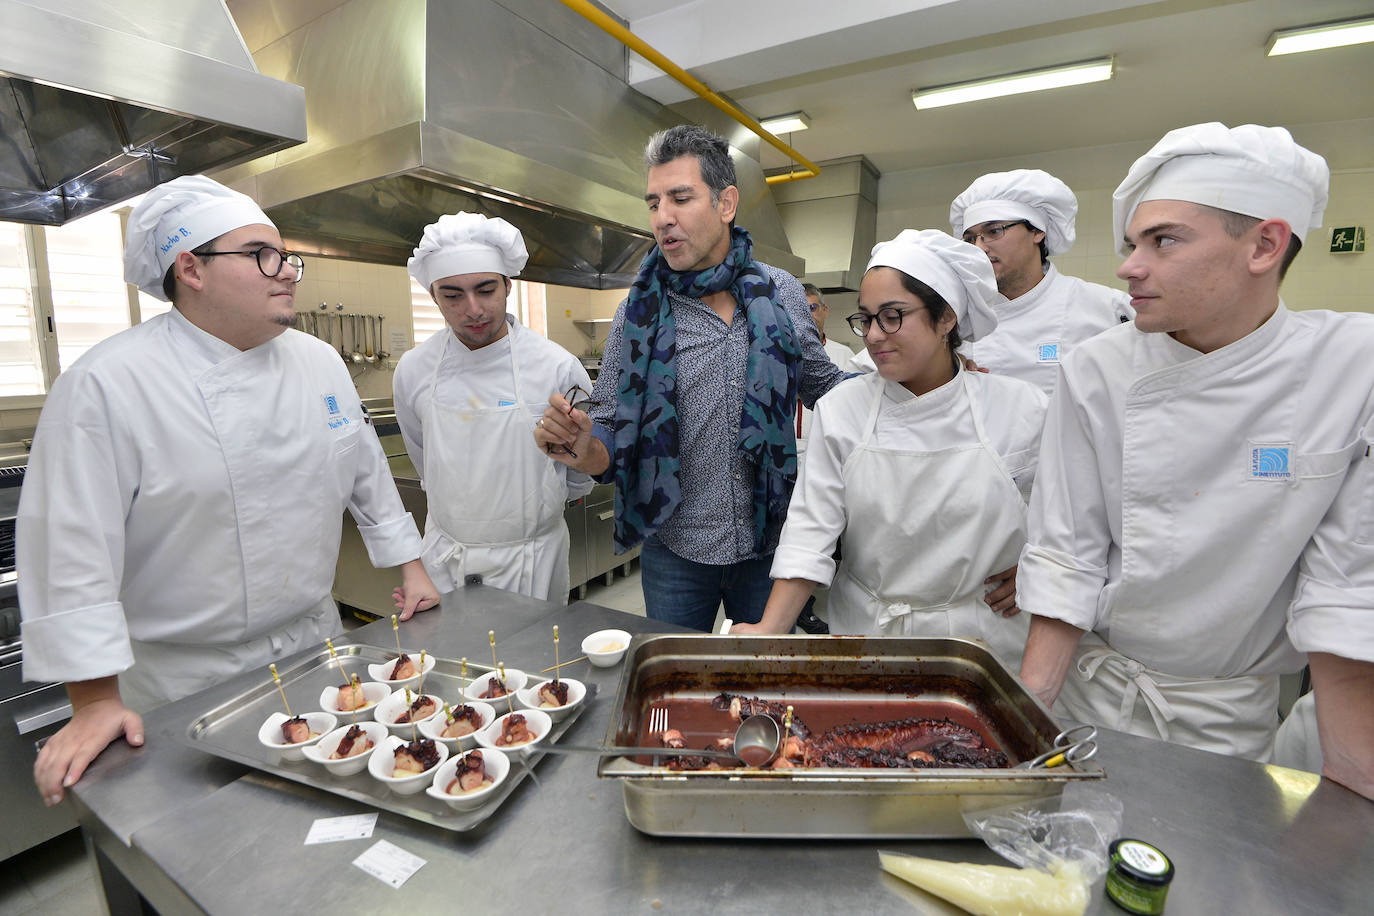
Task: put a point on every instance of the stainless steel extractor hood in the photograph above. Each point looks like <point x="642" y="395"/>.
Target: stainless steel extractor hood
<point x="833" y="221"/>
<point x="512" y="108"/>
<point x="100" y="101"/>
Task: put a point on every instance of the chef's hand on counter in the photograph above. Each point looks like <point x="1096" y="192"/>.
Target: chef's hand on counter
<point x="416" y="592"/>
<point x="99" y="716"/>
<point x="785" y="604"/>
<point x="1002" y="598"/>
<point x="566" y="436"/>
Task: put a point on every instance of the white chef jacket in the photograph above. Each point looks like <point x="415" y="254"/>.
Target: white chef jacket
<point x="860" y="362"/>
<point x="182" y="493"/>
<point x="840" y="355"/>
<point x="1039" y="328"/>
<point x="1012" y="412"/>
<point x="1211" y="516"/>
<point x="482" y="378"/>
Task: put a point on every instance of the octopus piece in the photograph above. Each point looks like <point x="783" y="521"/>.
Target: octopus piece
<point x="422" y="708"/>
<point x="351" y="697"/>
<point x="553" y="694"/>
<point x="496" y="688"/>
<point x="515" y="730"/>
<point x="741" y="708"/>
<point x="350" y="745"/>
<point x="404" y="668"/>
<point x="415" y="757"/>
<point x="464" y="721"/>
<point x="471" y="774"/>
<point x="296" y="730"/>
<point x="673" y="738"/>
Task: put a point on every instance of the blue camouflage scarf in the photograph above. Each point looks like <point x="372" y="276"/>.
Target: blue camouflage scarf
<point x="647" y="489"/>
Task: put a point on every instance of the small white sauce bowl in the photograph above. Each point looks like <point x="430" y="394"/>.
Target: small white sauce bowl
<point x="269" y="735"/>
<point x="536" y="720"/>
<point x="394" y="705"/>
<point x="515" y="679"/>
<point x="375" y="693"/>
<point x="606" y="648"/>
<point x="577" y="692"/>
<point x="321" y="751"/>
<point x="383" y="762"/>
<point x="379" y="672"/>
<point x="433" y="727"/>
<point x="498" y="768"/>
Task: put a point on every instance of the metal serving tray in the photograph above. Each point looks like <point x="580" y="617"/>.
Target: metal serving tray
<point x="230" y="730"/>
<point x="882" y="674"/>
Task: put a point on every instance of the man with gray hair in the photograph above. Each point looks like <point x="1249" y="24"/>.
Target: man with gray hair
<point x="692" y="415"/>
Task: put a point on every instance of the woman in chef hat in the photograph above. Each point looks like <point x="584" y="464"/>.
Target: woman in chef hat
<point x="923" y="467"/>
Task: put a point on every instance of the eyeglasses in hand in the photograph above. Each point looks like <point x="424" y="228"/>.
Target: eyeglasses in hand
<point x="994" y="232"/>
<point x="270" y="260"/>
<point x="578" y="398"/>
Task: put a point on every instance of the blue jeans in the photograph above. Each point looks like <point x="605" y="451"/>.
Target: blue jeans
<point x="689" y="594"/>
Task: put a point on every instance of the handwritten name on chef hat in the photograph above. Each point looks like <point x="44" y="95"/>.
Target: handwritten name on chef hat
<point x="177" y="216"/>
<point x="958" y="271"/>
<point x="1252" y="170"/>
<point x="1029" y="194"/>
<point x="467" y="243"/>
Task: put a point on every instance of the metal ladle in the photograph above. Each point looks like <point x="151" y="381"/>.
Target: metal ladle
<point x="369" y="353"/>
<point x="757" y="741"/>
<point x="356" y="355"/>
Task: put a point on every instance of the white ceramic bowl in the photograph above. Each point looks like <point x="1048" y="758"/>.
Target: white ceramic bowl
<point x="515" y="679"/>
<point x="327" y="745"/>
<point x="375" y="693"/>
<point x="379" y="672"/>
<point x="321" y="723"/>
<point x="498" y="768"/>
<point x="384" y="759"/>
<point x="387" y="711"/>
<point x="538" y="722"/>
<point x="577" y="692"/>
<point x="433" y="727"/>
<point x="605" y="648"/>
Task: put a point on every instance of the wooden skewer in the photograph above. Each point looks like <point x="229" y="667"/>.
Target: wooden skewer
<point x="580" y="658"/>
<point x="501" y="673"/>
<point x="413" y="736"/>
<point x="555" y="651"/>
<point x="348" y="681"/>
<point x="464" y="672"/>
<point x="396" y="628"/>
<point x="422" y="671"/>
<point x="281" y="691"/>
<point x="491" y="638"/>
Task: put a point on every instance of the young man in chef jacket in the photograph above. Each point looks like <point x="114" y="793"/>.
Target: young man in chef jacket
<point x="1204" y="512"/>
<point x="467" y="400"/>
<point x="183" y="504"/>
<point x="1019" y="219"/>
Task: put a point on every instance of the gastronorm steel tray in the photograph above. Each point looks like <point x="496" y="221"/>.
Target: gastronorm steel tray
<point x="878" y="673"/>
<point x="230" y="730"/>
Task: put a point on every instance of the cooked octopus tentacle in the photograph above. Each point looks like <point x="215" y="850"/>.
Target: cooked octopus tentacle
<point x="741" y="708"/>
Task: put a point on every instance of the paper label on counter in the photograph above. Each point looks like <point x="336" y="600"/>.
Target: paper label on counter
<point x="400" y="341"/>
<point x="337" y="829"/>
<point x="389" y="863"/>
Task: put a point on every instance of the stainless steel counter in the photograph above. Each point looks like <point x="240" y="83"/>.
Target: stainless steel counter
<point x="194" y="833"/>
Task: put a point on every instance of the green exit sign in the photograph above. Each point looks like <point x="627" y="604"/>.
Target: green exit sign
<point x="1347" y="239"/>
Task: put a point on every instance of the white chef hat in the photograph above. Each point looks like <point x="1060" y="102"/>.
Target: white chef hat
<point x="1029" y="194"/>
<point x="961" y="273"/>
<point x="467" y="243"/>
<point x="177" y="216"/>
<point x="1253" y="170"/>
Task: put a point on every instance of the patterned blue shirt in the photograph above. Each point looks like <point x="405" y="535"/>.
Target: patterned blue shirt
<point x="714" y="522"/>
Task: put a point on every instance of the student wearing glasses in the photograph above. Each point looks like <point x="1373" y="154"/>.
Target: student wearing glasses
<point x="1019" y="219"/>
<point x="183" y="503"/>
<point x="923" y="466"/>
<point x="467" y="401"/>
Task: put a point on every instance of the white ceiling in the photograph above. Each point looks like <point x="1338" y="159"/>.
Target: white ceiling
<point x="852" y="67"/>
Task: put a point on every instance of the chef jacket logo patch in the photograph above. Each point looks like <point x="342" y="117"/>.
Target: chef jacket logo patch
<point x="336" y="417"/>
<point x="1269" y="462"/>
<point x="1047" y="353"/>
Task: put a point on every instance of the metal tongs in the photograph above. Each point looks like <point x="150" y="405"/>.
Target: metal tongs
<point x="1073" y="745"/>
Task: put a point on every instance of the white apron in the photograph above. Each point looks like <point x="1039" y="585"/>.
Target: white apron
<point x="494" y="501"/>
<point x="926" y="528"/>
<point x="1298" y="744"/>
<point x="1229" y="715"/>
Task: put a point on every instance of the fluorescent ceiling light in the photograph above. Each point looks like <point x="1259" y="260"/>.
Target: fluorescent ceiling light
<point x="787" y="124"/>
<point x="1321" y="37"/>
<point x="1091" y="71"/>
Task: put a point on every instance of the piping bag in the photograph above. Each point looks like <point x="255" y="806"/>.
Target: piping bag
<point x="1059" y="844"/>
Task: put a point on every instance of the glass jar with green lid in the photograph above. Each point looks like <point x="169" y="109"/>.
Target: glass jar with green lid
<point x="1138" y="880"/>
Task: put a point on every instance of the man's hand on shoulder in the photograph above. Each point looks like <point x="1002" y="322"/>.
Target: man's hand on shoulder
<point x="99" y="717"/>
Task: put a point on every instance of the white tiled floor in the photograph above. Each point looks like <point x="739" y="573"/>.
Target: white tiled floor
<point x="53" y="878"/>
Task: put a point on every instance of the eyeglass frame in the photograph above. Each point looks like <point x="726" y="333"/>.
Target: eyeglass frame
<point x="256" y="253"/>
<point x="573" y="404"/>
<point x="866" y="320"/>
<point x="993" y="233"/>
